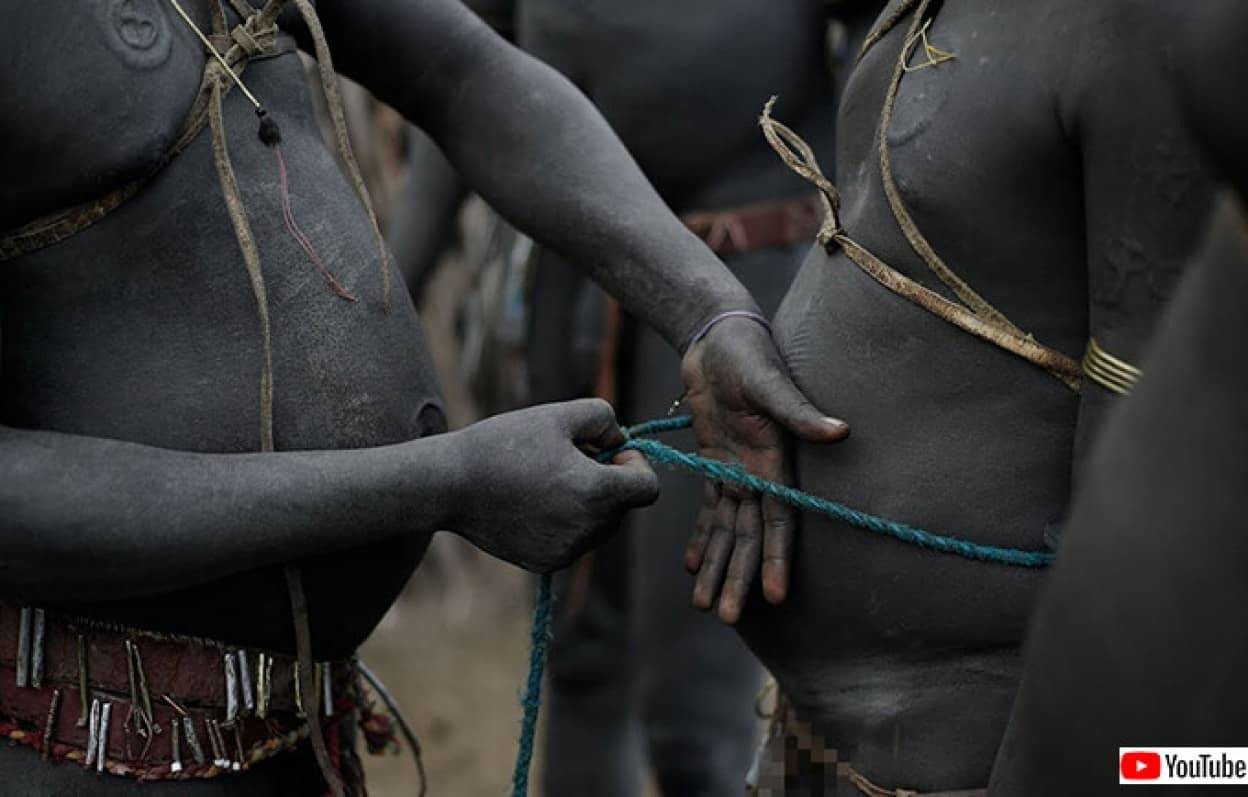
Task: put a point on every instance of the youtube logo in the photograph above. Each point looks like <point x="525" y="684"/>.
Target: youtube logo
<point x="1212" y="766"/>
<point x="1140" y="765"/>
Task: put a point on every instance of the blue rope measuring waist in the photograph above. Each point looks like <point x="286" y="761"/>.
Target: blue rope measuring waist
<point x="723" y="472"/>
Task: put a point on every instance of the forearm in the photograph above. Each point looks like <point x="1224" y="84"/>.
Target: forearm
<point x="84" y="518"/>
<point x="563" y="177"/>
<point x="538" y="151"/>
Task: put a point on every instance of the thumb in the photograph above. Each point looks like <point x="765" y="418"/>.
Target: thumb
<point x="591" y="422"/>
<point x="789" y="406"/>
<point x="629" y="481"/>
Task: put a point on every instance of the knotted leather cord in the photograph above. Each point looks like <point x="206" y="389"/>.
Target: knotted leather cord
<point x="59" y="225"/>
<point x="895" y="16"/>
<point x="799" y="157"/>
<point x="255" y="38"/>
<point x="918" y="242"/>
<point x="976" y="316"/>
<point x="333" y="101"/>
<point x="251" y="258"/>
<point x="308" y="695"/>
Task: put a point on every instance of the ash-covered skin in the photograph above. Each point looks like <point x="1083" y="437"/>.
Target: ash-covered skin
<point x="131" y="351"/>
<point x="1135" y="642"/>
<point x="638" y="678"/>
<point x="1027" y="162"/>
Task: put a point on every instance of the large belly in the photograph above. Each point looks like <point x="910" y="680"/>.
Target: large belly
<point x="144" y="328"/>
<point x="950" y="435"/>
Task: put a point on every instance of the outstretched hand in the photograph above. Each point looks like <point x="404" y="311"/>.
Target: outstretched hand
<point x="743" y="404"/>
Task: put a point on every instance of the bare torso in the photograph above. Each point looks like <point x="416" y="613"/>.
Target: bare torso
<point x="80" y="355"/>
<point x="906" y="661"/>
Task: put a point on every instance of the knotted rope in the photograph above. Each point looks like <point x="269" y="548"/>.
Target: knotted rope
<point x="728" y="473"/>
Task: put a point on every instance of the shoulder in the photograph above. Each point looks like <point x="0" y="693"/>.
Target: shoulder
<point x="1121" y="61"/>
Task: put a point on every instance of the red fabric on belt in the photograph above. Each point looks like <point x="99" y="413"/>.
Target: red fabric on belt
<point x="189" y="671"/>
<point x="765" y="225"/>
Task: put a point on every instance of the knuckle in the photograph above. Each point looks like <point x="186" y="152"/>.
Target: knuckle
<point x="780" y="522"/>
<point x="733" y="490"/>
<point x="599" y="410"/>
<point x="601" y="405"/>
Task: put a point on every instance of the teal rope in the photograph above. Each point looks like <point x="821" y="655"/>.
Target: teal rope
<point x="539" y="637"/>
<point x="723" y="472"/>
<point x="655" y="427"/>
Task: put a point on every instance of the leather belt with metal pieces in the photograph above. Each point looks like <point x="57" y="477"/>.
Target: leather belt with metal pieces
<point x="148" y="706"/>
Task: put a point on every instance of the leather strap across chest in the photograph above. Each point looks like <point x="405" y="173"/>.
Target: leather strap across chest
<point x="971" y="313"/>
<point x="256" y="38"/>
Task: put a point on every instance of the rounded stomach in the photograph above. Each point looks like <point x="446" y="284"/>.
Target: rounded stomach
<point x="949" y="434"/>
<point x="144" y="328"/>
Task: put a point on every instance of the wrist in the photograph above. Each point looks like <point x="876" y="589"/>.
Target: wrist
<point x="714" y="321"/>
<point x="455" y="479"/>
<point x="420" y="484"/>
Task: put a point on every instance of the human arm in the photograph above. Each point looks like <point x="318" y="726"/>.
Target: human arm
<point x="85" y="518"/>
<point x="539" y="152"/>
<point x="1146" y="191"/>
<point x="1136" y="633"/>
<point x="1152" y="555"/>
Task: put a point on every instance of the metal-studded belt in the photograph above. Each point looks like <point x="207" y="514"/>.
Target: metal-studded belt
<point x="149" y="706"/>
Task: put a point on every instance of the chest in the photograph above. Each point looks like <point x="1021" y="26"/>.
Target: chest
<point x="102" y="87"/>
<point x="977" y="156"/>
<point x="975" y="119"/>
<point x="144" y="326"/>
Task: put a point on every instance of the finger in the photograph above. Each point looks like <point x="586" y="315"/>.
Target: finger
<point x="592" y="422"/>
<point x="718" y="551"/>
<point x="696" y="548"/>
<point x="746" y="552"/>
<point x="629" y="481"/>
<point x="780" y="398"/>
<point x="779" y="532"/>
